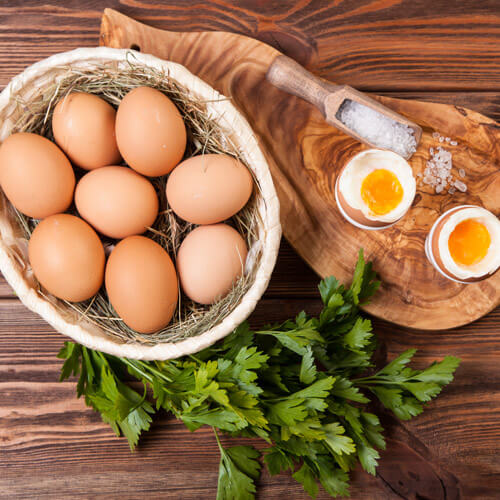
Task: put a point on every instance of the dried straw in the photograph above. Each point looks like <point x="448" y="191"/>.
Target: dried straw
<point x="112" y="82"/>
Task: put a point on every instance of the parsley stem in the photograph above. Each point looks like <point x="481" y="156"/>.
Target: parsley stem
<point x="375" y="381"/>
<point x="137" y="369"/>
<point x="155" y="371"/>
<point x="218" y="441"/>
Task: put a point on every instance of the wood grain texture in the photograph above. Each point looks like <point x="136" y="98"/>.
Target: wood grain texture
<point x="51" y="446"/>
<point x="305" y="155"/>
<point x="370" y="44"/>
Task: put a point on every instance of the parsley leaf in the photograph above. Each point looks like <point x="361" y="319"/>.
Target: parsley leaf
<point x="359" y="336"/>
<point x="277" y="461"/>
<point x="306" y="477"/>
<point x="238" y="470"/>
<point x="307" y="367"/>
<point x="337" y="441"/>
<point x="404" y="390"/>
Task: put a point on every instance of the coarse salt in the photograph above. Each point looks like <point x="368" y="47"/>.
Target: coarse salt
<point x="461" y="186"/>
<point x="376" y="128"/>
<point x="438" y="170"/>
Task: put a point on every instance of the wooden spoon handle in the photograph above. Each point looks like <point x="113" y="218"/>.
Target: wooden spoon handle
<point x="288" y="75"/>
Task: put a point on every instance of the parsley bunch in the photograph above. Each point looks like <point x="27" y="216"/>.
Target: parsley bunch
<point x="302" y="386"/>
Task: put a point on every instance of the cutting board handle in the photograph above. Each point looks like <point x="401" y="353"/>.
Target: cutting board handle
<point x="288" y="75"/>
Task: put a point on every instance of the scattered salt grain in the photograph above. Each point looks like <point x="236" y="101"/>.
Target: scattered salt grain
<point x="437" y="172"/>
<point x="377" y="128"/>
<point x="461" y="186"/>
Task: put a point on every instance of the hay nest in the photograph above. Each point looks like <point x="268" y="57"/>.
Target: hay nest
<point x="112" y="81"/>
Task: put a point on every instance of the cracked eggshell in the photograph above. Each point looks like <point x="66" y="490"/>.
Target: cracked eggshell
<point x="350" y="179"/>
<point x="437" y="244"/>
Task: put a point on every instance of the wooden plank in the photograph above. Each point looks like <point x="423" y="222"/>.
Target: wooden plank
<point x="373" y="44"/>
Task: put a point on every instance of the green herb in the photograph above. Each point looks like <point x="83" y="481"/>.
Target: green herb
<point x="302" y="386"/>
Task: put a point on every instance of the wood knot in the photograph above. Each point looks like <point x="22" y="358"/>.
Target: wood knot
<point x="407" y="297"/>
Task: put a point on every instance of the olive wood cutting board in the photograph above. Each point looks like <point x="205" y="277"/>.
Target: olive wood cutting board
<point x="305" y="154"/>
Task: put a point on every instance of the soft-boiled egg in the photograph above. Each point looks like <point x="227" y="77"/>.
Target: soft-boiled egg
<point x="375" y="189"/>
<point x="464" y="244"/>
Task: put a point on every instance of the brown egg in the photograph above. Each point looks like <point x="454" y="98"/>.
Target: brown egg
<point x="142" y="284"/>
<point x="35" y="175"/>
<point x="209" y="188"/>
<point x="84" y="128"/>
<point x="67" y="257"/>
<point x="150" y="132"/>
<point x="116" y="201"/>
<point x="209" y="261"/>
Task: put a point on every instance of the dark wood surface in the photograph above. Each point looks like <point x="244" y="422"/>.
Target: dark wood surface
<point x="51" y="446"/>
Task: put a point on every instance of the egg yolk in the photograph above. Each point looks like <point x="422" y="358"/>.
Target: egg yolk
<point x="381" y="191"/>
<point x="469" y="242"/>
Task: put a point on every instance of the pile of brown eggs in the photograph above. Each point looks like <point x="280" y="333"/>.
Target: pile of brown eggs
<point x="117" y="201"/>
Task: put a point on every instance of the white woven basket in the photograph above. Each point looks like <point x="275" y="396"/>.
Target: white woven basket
<point x="13" y="257"/>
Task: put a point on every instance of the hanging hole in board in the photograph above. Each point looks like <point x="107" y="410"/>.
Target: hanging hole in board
<point x="134" y="46"/>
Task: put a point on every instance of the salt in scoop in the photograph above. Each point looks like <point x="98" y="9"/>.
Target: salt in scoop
<point x="347" y="109"/>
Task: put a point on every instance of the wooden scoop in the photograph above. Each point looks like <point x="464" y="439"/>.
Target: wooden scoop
<point x="291" y="77"/>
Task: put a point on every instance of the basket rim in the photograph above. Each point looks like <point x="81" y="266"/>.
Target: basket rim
<point x="224" y="112"/>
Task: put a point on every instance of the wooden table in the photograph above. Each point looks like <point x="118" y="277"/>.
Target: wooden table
<point x="52" y="446"/>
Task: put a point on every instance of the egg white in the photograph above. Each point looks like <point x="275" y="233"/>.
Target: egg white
<point x="491" y="261"/>
<point x="366" y="162"/>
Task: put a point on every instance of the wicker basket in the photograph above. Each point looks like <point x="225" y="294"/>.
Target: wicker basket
<point x="13" y="253"/>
